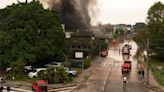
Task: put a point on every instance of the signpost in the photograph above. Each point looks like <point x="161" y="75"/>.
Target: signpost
<point x="80" y="55"/>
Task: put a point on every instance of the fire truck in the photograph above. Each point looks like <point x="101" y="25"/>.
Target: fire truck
<point x="40" y="86"/>
<point x="126" y="49"/>
<point x="104" y="53"/>
<point x="126" y="67"/>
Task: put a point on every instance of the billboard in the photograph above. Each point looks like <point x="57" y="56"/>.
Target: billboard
<point x="79" y="55"/>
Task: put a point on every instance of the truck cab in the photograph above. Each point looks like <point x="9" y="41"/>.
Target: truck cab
<point x="104" y="53"/>
<point x="126" y="67"/>
<point x="40" y="86"/>
<point x="125" y="49"/>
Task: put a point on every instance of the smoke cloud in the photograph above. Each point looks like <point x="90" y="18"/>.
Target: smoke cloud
<point x="76" y="14"/>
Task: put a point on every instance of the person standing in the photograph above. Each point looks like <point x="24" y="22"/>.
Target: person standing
<point x="142" y="73"/>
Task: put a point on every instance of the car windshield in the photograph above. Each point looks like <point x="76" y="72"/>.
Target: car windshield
<point x="127" y="62"/>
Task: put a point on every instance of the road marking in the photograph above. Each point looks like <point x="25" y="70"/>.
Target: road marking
<point x="74" y="88"/>
<point x="106" y="79"/>
<point x="66" y="89"/>
<point x="17" y="89"/>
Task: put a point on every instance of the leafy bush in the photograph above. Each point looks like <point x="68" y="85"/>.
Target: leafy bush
<point x="57" y="75"/>
<point x="87" y="63"/>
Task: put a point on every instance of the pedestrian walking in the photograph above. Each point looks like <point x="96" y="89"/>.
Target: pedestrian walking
<point x="142" y="73"/>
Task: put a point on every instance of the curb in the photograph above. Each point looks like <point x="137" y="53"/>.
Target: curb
<point x="151" y="87"/>
<point x="68" y="85"/>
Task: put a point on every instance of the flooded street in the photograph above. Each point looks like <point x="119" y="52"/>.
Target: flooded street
<point x="107" y="77"/>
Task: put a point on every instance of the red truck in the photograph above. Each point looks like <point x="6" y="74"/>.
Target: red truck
<point x="40" y="86"/>
<point x="104" y="53"/>
<point x="126" y="67"/>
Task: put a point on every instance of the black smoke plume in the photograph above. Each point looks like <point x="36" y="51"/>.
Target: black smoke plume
<point x="75" y="13"/>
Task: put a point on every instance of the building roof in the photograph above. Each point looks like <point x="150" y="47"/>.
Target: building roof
<point x="82" y="34"/>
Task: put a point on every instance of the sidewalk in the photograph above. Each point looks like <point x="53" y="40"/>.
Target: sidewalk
<point x="153" y="84"/>
<point x="88" y="72"/>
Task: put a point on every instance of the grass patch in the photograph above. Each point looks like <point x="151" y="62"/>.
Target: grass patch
<point x="158" y="74"/>
<point x="86" y="77"/>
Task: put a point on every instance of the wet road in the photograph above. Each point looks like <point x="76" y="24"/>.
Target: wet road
<point x="107" y="76"/>
<point x="114" y="81"/>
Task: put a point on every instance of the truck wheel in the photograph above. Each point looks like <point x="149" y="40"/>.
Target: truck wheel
<point x="32" y="89"/>
<point x="71" y="74"/>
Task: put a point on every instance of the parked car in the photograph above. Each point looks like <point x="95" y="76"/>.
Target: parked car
<point x="27" y="69"/>
<point x="35" y="73"/>
<point x="8" y="69"/>
<point x="53" y="64"/>
<point x="71" y="71"/>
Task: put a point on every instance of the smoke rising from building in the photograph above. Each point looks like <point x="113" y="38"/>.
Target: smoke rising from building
<point x="76" y="14"/>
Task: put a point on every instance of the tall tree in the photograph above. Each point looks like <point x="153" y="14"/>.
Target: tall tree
<point x="29" y="32"/>
<point x="155" y="28"/>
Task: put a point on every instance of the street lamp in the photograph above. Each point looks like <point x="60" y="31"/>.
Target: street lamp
<point x="99" y="51"/>
<point x="63" y="27"/>
<point x="147" y="59"/>
<point x="93" y="38"/>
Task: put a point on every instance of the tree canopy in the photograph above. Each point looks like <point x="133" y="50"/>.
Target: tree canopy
<point x="153" y="31"/>
<point x="155" y="28"/>
<point x="30" y="33"/>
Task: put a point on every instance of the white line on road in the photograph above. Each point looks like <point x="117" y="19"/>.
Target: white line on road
<point x="105" y="80"/>
<point x="17" y="90"/>
<point x="74" y="88"/>
<point x="65" y="89"/>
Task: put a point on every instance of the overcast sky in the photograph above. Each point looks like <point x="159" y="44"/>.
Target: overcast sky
<point x="115" y="11"/>
<point x="124" y="11"/>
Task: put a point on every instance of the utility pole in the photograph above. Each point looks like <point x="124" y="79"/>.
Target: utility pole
<point x="99" y="53"/>
<point x="147" y="61"/>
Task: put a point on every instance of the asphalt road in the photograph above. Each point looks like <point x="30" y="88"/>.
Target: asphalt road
<point x="114" y="80"/>
<point x="107" y="76"/>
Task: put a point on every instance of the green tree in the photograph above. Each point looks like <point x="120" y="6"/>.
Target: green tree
<point x="30" y="32"/>
<point x="18" y="68"/>
<point x="155" y="28"/>
<point x="139" y="26"/>
<point x="56" y="75"/>
<point x="141" y="38"/>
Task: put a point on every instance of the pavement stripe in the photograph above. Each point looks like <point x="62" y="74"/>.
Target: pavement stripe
<point x="105" y="80"/>
<point x="21" y="90"/>
<point x="17" y="90"/>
